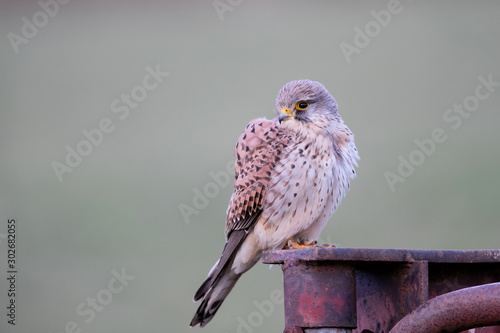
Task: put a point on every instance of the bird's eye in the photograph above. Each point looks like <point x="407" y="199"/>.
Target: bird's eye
<point x="302" y="105"/>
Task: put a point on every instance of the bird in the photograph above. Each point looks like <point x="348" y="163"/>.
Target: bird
<point x="291" y="173"/>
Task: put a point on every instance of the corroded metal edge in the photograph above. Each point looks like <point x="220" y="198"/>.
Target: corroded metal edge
<point x="387" y="255"/>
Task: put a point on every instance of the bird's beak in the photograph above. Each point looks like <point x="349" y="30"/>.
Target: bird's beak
<point x="285" y="114"/>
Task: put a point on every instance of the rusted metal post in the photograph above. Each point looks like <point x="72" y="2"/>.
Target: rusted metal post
<point x="371" y="290"/>
<point x="321" y="297"/>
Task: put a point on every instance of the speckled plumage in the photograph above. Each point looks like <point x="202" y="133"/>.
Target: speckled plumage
<point x="291" y="174"/>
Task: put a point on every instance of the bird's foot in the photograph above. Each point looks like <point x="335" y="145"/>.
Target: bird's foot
<point x="292" y="244"/>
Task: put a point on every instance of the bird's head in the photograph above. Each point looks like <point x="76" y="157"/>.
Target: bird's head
<point x="305" y="102"/>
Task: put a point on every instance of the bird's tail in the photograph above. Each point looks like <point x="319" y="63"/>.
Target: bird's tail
<point x="220" y="280"/>
<point x="214" y="297"/>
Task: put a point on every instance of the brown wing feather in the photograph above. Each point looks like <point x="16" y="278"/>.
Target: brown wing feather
<point x="257" y="151"/>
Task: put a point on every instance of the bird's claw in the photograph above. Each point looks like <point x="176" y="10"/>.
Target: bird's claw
<point x="292" y="244"/>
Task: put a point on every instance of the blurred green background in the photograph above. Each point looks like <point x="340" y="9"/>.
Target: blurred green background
<point x="120" y="208"/>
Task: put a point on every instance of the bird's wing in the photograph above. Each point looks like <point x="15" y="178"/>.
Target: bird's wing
<point x="257" y="151"/>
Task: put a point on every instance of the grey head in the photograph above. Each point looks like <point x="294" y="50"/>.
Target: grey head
<point x="305" y="101"/>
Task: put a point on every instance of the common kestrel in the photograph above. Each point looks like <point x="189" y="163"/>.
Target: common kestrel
<point x="291" y="174"/>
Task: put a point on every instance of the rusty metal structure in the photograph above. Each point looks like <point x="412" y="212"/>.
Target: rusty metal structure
<point x="349" y="290"/>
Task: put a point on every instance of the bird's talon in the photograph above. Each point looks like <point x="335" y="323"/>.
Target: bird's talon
<point x="292" y="244"/>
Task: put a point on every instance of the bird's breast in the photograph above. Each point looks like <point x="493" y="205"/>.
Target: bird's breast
<point x="302" y="191"/>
